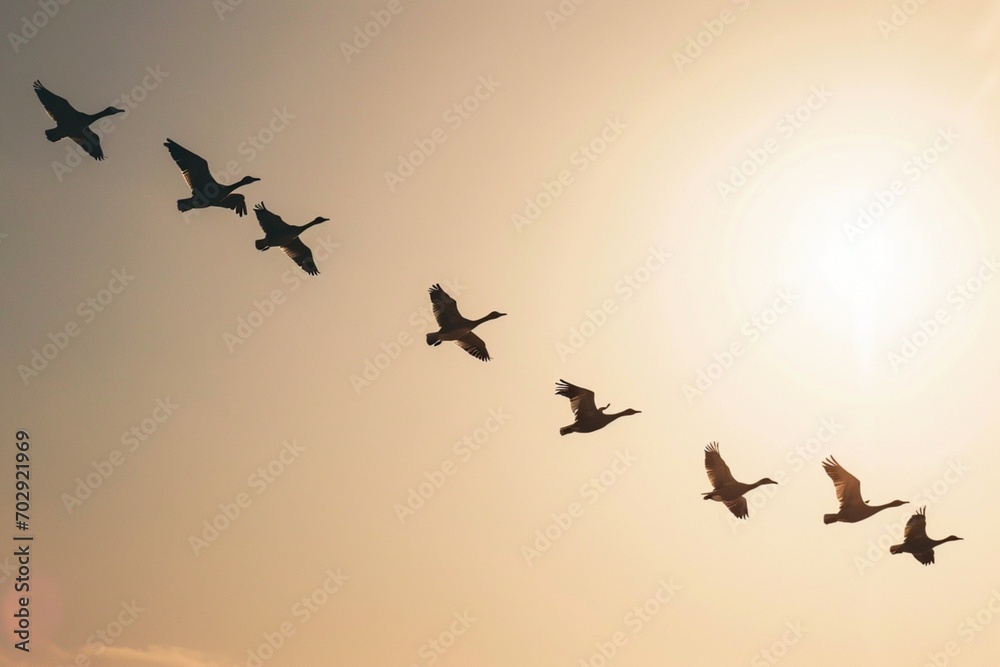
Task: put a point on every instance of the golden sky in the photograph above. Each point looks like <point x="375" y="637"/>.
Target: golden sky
<point x="764" y="223"/>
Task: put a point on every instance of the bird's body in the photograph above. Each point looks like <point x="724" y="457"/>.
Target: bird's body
<point x="205" y="190"/>
<point x="278" y="233"/>
<point x="915" y="540"/>
<point x="72" y="123"/>
<point x="853" y="507"/>
<point x="726" y="489"/>
<point x="589" y="417"/>
<point x="454" y="327"/>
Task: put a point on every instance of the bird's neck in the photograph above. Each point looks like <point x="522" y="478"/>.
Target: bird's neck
<point x="103" y="113"/>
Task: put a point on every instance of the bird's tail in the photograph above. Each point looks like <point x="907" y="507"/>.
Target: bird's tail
<point x="261" y="244"/>
<point x="54" y="134"/>
<point x="565" y="429"/>
<point x="433" y="338"/>
<point x="829" y="518"/>
<point x="896" y="548"/>
<point x="184" y="205"/>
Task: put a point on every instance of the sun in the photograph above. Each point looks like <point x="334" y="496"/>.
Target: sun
<point x="867" y="240"/>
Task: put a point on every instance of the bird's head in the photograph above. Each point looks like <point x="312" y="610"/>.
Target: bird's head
<point x="494" y="315"/>
<point x="897" y="503"/>
<point x="630" y="411"/>
<point x="112" y="110"/>
<point x="319" y="220"/>
<point x="767" y="480"/>
<point x="952" y="538"/>
<point x="247" y="179"/>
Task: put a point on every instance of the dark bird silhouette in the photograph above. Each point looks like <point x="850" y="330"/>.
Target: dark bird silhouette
<point x="71" y="123"/>
<point x="725" y="488"/>
<point x="205" y="190"/>
<point x="915" y="540"/>
<point x="278" y="233"/>
<point x="589" y="417"/>
<point x="852" y="507"/>
<point x="455" y="327"/>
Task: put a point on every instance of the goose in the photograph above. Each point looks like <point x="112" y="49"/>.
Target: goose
<point x="589" y="417"/>
<point x="71" y="123"/>
<point x="852" y="507"/>
<point x="205" y="190"/>
<point x="278" y="233"/>
<point x="726" y="489"/>
<point x="455" y="327"/>
<point x="915" y="540"/>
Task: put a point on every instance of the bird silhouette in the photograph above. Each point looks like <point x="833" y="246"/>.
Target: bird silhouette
<point x="205" y="190"/>
<point x="72" y="123"/>
<point x="725" y="488"/>
<point x="456" y="328"/>
<point x="852" y="507"/>
<point x="589" y="417"/>
<point x="278" y="233"/>
<point x="915" y="540"/>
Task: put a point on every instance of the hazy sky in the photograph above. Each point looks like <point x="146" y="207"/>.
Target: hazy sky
<point x="764" y="223"/>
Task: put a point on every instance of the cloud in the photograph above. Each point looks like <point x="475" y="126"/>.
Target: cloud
<point x="117" y="656"/>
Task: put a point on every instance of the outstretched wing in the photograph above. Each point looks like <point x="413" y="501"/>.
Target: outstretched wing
<point x="474" y="345"/>
<point x="847" y="485"/>
<point x="719" y="474"/>
<point x="193" y="167"/>
<point x="270" y="223"/>
<point x="89" y="142"/>
<point x="237" y="203"/>
<point x="916" y="529"/>
<point x="580" y="400"/>
<point x="445" y="308"/>
<point x="738" y="507"/>
<point x="57" y="107"/>
<point x="925" y="557"/>
<point x="302" y="256"/>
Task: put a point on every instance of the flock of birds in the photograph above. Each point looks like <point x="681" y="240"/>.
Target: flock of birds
<point x="206" y="192"/>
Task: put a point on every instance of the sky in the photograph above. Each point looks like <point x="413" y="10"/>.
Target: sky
<point x="762" y="223"/>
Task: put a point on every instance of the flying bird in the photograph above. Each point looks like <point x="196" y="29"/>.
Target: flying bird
<point x="852" y="507"/>
<point x="71" y="123"/>
<point x="205" y="190"/>
<point x="278" y="233"/>
<point x="726" y="489"/>
<point x="455" y="327"/>
<point x="915" y="540"/>
<point x="589" y="417"/>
